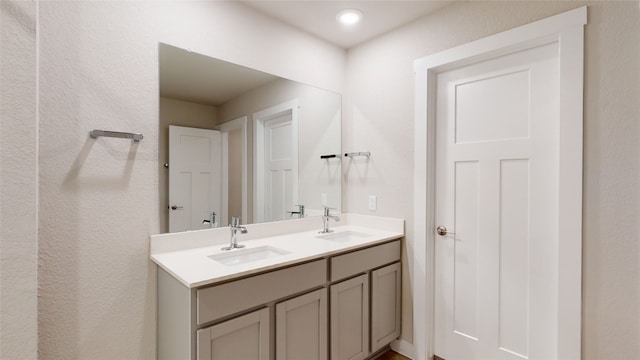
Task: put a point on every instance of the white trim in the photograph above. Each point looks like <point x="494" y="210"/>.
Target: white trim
<point x="568" y="30"/>
<point x="423" y="245"/>
<point x="403" y="348"/>
<point x="259" y="119"/>
<point x="225" y="128"/>
<point x="223" y="216"/>
<point x="504" y="42"/>
<point x="570" y="196"/>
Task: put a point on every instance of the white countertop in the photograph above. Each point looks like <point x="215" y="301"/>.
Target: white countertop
<point x="186" y="255"/>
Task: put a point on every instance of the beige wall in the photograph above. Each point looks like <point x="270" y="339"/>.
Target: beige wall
<point x="379" y="117"/>
<point x="181" y="113"/>
<point x="18" y="181"/>
<point x="99" y="199"/>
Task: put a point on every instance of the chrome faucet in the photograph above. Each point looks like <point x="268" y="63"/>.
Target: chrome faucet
<point x="211" y="221"/>
<point x="235" y="227"/>
<point x="325" y="220"/>
<point x="300" y="212"/>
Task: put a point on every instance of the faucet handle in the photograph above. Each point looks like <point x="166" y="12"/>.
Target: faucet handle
<point x="235" y="221"/>
<point x="327" y="210"/>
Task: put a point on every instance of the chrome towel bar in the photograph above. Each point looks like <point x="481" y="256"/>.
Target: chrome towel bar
<point x="354" y="154"/>
<point x="116" y="134"/>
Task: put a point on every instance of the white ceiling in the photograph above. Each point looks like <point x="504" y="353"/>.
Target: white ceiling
<point x="319" y="17"/>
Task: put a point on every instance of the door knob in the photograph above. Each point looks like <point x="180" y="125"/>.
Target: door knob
<point x="176" y="207"/>
<point x="442" y="231"/>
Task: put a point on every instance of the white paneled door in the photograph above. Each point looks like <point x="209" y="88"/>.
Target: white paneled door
<point x="195" y="177"/>
<point x="279" y="170"/>
<point x="276" y="157"/>
<point x="496" y="207"/>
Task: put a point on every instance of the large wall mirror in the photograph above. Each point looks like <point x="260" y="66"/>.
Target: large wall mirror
<point x="237" y="142"/>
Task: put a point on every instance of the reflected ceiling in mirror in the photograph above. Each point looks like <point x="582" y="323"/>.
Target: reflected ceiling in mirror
<point x="188" y="76"/>
<point x="243" y="143"/>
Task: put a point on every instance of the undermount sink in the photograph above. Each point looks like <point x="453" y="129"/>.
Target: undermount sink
<point x="243" y="256"/>
<point x="344" y="236"/>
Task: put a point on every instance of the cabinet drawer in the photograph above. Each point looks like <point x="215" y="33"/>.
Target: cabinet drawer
<point x="232" y="297"/>
<point x="343" y="266"/>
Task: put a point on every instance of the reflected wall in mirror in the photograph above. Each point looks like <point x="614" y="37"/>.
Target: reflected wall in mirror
<point x="242" y="143"/>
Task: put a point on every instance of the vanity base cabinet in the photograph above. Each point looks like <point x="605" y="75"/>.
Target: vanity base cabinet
<point x="365" y="308"/>
<point x="245" y="337"/>
<point x="301" y="327"/>
<point x="342" y="307"/>
<point x="176" y="336"/>
<point x="350" y="319"/>
<point x="385" y="305"/>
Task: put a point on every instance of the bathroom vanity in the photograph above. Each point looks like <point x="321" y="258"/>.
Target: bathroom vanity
<point x="292" y="294"/>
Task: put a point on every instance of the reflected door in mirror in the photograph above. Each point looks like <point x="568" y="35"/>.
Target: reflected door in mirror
<point x="277" y="143"/>
<point x="195" y="177"/>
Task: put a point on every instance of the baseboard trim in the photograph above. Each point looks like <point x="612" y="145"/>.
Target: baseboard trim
<point x="403" y="348"/>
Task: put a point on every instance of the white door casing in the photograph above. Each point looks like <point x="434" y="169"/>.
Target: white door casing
<point x="195" y="177"/>
<point x="276" y="154"/>
<point x="539" y="319"/>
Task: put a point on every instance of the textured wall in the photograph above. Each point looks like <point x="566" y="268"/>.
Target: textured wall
<point x="18" y="180"/>
<point x="611" y="254"/>
<point x="379" y="117"/>
<point x="99" y="199"/>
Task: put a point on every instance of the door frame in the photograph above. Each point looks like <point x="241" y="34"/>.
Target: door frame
<point x="225" y="128"/>
<point x="567" y="29"/>
<point x="259" y="118"/>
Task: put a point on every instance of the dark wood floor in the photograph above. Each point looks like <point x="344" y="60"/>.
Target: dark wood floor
<point x="391" y="355"/>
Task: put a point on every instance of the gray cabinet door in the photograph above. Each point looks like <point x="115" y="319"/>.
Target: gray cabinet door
<point x="385" y="305"/>
<point x="301" y="327"/>
<point x="350" y="319"/>
<point x="245" y="337"/>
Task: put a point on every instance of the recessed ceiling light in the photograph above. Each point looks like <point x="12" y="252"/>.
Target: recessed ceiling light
<point x="349" y="16"/>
